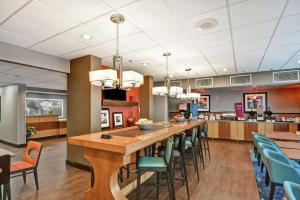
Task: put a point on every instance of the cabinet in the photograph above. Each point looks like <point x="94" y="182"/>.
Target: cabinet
<point x="224" y="129"/>
<point x="249" y="127"/>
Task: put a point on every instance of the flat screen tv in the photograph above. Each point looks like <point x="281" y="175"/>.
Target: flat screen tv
<point x="183" y="107"/>
<point x="114" y="94"/>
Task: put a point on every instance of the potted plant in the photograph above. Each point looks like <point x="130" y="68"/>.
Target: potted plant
<point x="29" y="132"/>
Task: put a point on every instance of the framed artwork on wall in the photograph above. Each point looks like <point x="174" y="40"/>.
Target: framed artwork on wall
<point x="105" y="118"/>
<point x="204" y="103"/>
<point x="38" y="106"/>
<point x="118" y="121"/>
<point x="254" y="101"/>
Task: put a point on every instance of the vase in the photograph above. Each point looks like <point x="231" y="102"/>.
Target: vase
<point x="131" y="120"/>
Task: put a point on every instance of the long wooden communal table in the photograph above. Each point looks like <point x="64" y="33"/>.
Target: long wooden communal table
<point x="282" y="135"/>
<point x="108" y="155"/>
<point x="288" y="145"/>
<point x="293" y="154"/>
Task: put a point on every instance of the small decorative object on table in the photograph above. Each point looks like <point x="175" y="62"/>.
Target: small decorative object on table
<point x="179" y="118"/>
<point x="144" y="124"/>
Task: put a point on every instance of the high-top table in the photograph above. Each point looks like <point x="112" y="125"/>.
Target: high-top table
<point x="108" y="155"/>
<point x="282" y="135"/>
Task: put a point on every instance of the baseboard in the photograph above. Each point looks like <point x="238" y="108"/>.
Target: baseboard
<point x="12" y="144"/>
<point x="78" y="165"/>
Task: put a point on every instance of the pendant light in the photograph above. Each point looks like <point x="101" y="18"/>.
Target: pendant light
<point x="189" y="94"/>
<point x="116" y="78"/>
<point x="167" y="89"/>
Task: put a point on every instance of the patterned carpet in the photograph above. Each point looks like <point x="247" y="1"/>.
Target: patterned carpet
<point x="264" y="190"/>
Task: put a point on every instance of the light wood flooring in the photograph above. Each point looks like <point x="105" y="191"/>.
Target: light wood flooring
<point x="228" y="176"/>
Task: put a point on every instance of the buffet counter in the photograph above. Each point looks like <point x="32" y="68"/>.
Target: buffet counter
<point x="241" y="130"/>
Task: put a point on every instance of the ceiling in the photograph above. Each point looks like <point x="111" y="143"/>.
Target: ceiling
<point x="33" y="77"/>
<point x="251" y="35"/>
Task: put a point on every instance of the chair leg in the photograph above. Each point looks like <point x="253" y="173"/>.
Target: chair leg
<point x="267" y="178"/>
<point x="170" y="177"/>
<point x="201" y="154"/>
<point x="272" y="191"/>
<point x="138" y="186"/>
<point x="207" y="143"/>
<point x="262" y="167"/>
<point x="157" y="184"/>
<point x="6" y="192"/>
<point x="185" y="176"/>
<point x="92" y="177"/>
<point x="24" y="176"/>
<point x="258" y="159"/>
<point x="181" y="170"/>
<point x="36" y="179"/>
<point x="195" y="163"/>
<point x="169" y="185"/>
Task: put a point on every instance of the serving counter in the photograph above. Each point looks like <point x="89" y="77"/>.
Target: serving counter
<point x="108" y="155"/>
<point x="241" y="130"/>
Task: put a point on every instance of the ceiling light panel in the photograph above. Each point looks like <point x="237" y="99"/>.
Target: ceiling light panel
<point x="81" y="10"/>
<point x="148" y="13"/>
<point x="53" y="20"/>
<point x="249" y="12"/>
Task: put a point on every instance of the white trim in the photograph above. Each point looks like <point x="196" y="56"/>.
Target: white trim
<point x="241" y="83"/>
<point x="212" y="82"/>
<point x="287" y="81"/>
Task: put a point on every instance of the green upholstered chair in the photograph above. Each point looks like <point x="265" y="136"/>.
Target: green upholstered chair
<point x="279" y="169"/>
<point x="292" y="190"/>
<point x="158" y="165"/>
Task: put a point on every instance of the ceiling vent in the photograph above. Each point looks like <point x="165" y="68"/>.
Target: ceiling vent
<point x="204" y="83"/>
<point x="286" y="76"/>
<point x="176" y="83"/>
<point x="241" y="80"/>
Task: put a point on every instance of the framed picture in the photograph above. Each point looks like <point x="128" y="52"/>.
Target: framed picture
<point x="118" y="120"/>
<point x="254" y="101"/>
<point x="204" y="103"/>
<point x="38" y="106"/>
<point x="105" y="118"/>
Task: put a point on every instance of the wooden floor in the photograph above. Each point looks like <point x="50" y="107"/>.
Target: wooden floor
<point x="229" y="175"/>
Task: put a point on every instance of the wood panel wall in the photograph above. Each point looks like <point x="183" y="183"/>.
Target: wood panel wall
<point x="146" y="98"/>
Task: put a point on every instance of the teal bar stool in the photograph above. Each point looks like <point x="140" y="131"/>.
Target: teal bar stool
<point x="158" y="165"/>
<point x="292" y="190"/>
<point x="279" y="169"/>
<point x="265" y="145"/>
<point x="259" y="138"/>
<point x="204" y="136"/>
<point x="190" y="144"/>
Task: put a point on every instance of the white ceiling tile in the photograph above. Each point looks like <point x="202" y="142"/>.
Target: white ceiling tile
<point x="49" y="49"/>
<point x="289" y="24"/>
<point x="105" y="26"/>
<point x="286" y="39"/>
<point x="251" y="45"/>
<point x="294" y="62"/>
<point x="138" y="41"/>
<point x="254" y="11"/>
<point x="9" y="6"/>
<point x="220" y="15"/>
<point x="292" y="8"/>
<point x="64" y="43"/>
<point x="148" y="13"/>
<point x="151" y="52"/>
<point x="26" y="29"/>
<point x="48" y="17"/>
<point x="119" y="3"/>
<point x="81" y="10"/>
<point x="253" y="31"/>
<point x="212" y="40"/>
<point x="183" y="9"/>
<point x="167" y="33"/>
<point x="15" y="39"/>
<point x="133" y="56"/>
<point x="76" y="34"/>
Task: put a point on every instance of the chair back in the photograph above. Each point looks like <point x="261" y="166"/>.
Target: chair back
<point x="205" y="129"/>
<point x="181" y="143"/>
<point x="4" y="169"/>
<point x="34" y="148"/>
<point x="168" y="156"/>
<point x="292" y="190"/>
<point x="194" y="134"/>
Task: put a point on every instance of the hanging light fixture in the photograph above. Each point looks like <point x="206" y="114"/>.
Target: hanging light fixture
<point x="189" y="94"/>
<point x="167" y="89"/>
<point x="113" y="78"/>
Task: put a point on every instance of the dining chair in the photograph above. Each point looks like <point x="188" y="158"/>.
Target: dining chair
<point x="158" y="165"/>
<point x="190" y="144"/>
<point x="204" y="135"/>
<point x="29" y="164"/>
<point x="5" y="177"/>
<point x="279" y="170"/>
<point x="292" y="190"/>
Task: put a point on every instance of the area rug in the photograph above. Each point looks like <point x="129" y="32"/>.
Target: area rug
<point x="264" y="190"/>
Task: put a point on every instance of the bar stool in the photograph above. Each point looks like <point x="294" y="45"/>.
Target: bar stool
<point x="204" y="135"/>
<point x="158" y="165"/>
<point x="200" y="148"/>
<point x="5" y="176"/>
<point x="190" y="143"/>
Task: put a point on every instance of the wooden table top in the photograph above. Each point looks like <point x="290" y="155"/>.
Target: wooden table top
<point x="281" y="135"/>
<point x="288" y="145"/>
<point x="6" y="152"/>
<point x="131" y="139"/>
<point x="293" y="154"/>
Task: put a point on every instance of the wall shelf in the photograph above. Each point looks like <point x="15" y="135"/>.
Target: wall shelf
<point x="107" y="102"/>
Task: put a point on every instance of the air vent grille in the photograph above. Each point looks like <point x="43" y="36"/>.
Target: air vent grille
<point x="204" y="82"/>
<point x="241" y="80"/>
<point x="286" y="76"/>
<point x="176" y="83"/>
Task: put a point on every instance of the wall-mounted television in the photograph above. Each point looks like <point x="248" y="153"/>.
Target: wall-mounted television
<point x="183" y="107"/>
<point x="114" y="94"/>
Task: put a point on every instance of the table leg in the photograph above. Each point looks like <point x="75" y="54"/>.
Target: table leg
<point x="106" y="166"/>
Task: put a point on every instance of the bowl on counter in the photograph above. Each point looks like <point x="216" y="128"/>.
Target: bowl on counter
<point x="145" y="126"/>
<point x="179" y="119"/>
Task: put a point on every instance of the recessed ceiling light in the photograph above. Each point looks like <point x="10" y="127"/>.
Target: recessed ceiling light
<point x="171" y="75"/>
<point x="145" y="64"/>
<point x="224" y="69"/>
<point x="298" y="61"/>
<point x="206" y="24"/>
<point x="86" y="36"/>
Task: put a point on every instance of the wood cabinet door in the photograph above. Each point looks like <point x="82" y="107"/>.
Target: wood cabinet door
<point x="248" y="128"/>
<point x="224" y="130"/>
<point x="281" y="127"/>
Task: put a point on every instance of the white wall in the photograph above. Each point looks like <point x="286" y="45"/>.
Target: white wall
<point x="29" y="57"/>
<point x="12" y="124"/>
